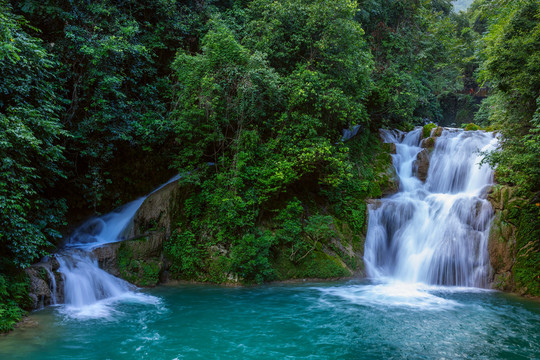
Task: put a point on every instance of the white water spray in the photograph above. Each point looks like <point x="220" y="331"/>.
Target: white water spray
<point x="434" y="232"/>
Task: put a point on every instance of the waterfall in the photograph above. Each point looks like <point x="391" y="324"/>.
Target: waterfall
<point x="85" y="284"/>
<point x="434" y="232"/>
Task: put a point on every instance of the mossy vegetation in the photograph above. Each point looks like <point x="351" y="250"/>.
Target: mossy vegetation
<point x="426" y="132"/>
<point x="471" y="127"/>
<point x="136" y="266"/>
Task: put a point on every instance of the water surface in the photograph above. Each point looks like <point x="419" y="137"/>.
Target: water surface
<point x="351" y="320"/>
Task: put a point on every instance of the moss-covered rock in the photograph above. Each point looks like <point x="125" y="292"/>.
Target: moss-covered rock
<point x="428" y="128"/>
<point x="437" y="131"/>
<point x="514" y="245"/>
<point x="471" y="127"/>
<point x="428" y="143"/>
<point x="138" y="261"/>
<point x="41" y="291"/>
<point x="318" y="265"/>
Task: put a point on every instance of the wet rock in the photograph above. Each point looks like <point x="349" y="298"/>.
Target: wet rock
<point x="27" y="322"/>
<point x="40" y="291"/>
<point x="158" y="211"/>
<point x="428" y="143"/>
<point x="437" y="132"/>
<point x="139" y="261"/>
<point x="106" y="257"/>
<point x="421" y="165"/>
<point x="500" y="197"/>
<point x="502" y="239"/>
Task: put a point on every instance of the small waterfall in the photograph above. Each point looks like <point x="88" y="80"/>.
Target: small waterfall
<point x="85" y="284"/>
<point x="434" y="232"/>
<point x="52" y="280"/>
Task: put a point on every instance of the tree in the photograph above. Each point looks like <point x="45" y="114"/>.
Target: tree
<point x="30" y="150"/>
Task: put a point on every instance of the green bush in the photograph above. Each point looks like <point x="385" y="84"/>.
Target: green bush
<point x="250" y="258"/>
<point x="186" y="255"/>
<point x="14" y="299"/>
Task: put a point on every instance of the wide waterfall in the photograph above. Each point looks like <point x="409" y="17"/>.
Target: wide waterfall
<point x="85" y="284"/>
<point x="434" y="232"/>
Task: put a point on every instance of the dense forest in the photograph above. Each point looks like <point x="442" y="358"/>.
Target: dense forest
<point x="102" y="100"/>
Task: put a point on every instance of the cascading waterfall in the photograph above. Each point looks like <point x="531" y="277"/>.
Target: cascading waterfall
<point x="85" y="283"/>
<point x="434" y="232"/>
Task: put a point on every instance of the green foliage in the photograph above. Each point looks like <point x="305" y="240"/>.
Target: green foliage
<point x="115" y="76"/>
<point x="30" y="150"/>
<point x="250" y="257"/>
<point x="511" y="64"/>
<point x="413" y="48"/>
<point x="187" y="256"/>
<point x="290" y="231"/>
<point x="135" y="267"/>
<point x="255" y="121"/>
<point x="527" y="266"/>
<point x="13" y="299"/>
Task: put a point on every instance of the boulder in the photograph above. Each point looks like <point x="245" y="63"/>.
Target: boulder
<point x="139" y="259"/>
<point x="502" y="252"/>
<point x="428" y="143"/>
<point x="421" y="165"/>
<point x="502" y="242"/>
<point x="42" y="291"/>
<point x="437" y="131"/>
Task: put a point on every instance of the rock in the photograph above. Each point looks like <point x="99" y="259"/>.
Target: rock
<point x="390" y="147"/>
<point x="139" y="261"/>
<point x="502" y="242"/>
<point x="27" y="322"/>
<point x="159" y="211"/>
<point x="421" y="165"/>
<point x="40" y="291"/>
<point x="500" y="197"/>
<point x="437" y="132"/>
<point x="428" y="143"/>
<point x="501" y="245"/>
<point x="107" y="257"/>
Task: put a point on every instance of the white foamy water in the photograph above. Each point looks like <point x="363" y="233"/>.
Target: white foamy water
<point x="435" y="232"/>
<point x="392" y="294"/>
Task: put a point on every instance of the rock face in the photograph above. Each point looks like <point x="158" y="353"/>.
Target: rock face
<point x="45" y="283"/>
<point x="502" y="240"/>
<point x="140" y="259"/>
